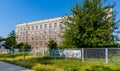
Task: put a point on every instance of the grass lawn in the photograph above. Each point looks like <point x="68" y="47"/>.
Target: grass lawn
<point x="57" y="63"/>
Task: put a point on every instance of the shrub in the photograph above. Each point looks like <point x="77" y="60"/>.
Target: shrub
<point x="41" y="67"/>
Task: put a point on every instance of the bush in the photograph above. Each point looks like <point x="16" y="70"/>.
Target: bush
<point x="41" y="67"/>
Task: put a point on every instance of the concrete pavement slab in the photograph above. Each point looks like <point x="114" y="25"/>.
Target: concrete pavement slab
<point x="10" y="67"/>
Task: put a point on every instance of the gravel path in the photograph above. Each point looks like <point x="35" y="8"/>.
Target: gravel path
<point x="10" y="67"/>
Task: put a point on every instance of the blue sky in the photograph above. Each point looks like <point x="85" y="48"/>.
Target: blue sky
<point x="13" y="12"/>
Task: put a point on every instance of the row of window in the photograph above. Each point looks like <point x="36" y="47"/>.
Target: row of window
<point x="41" y="32"/>
<point x="39" y="26"/>
<point x="41" y="37"/>
<point x="41" y="43"/>
<point x="37" y="43"/>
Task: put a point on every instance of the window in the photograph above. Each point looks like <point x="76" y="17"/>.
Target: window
<point x="36" y="43"/>
<point x="32" y="38"/>
<point x="40" y="26"/>
<point x="36" y="32"/>
<point x="43" y="37"/>
<point x="33" y="32"/>
<point x="55" y="36"/>
<point x="50" y="30"/>
<point x="36" y="38"/>
<point x="50" y="36"/>
<point x="60" y="24"/>
<point x="29" y="38"/>
<point x="28" y="28"/>
<point x="61" y="30"/>
<point x="40" y="37"/>
<point x="20" y="38"/>
<point x="20" y="29"/>
<point x="24" y="28"/>
<point x="36" y="26"/>
<point x="46" y="37"/>
<point x="24" y="33"/>
<point x="55" y="24"/>
<point x="61" y="36"/>
<point x="45" y="31"/>
<point x="50" y="25"/>
<point x="41" y="31"/>
<point x="41" y="43"/>
<point x="32" y="27"/>
<point x="55" y="30"/>
<point x="19" y="34"/>
<point x="45" y="25"/>
<point x="32" y="43"/>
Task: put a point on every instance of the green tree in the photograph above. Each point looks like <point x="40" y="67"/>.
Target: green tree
<point x="52" y="44"/>
<point x="20" y="47"/>
<point x="11" y="40"/>
<point x="90" y="25"/>
<point x="2" y="39"/>
<point x="25" y="47"/>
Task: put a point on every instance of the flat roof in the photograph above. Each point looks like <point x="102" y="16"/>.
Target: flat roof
<point x="40" y="21"/>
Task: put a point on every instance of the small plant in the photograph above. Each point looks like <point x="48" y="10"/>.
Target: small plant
<point x="41" y="67"/>
<point x="25" y="47"/>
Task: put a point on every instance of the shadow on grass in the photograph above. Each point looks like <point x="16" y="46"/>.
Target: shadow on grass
<point x="100" y="68"/>
<point x="44" y="60"/>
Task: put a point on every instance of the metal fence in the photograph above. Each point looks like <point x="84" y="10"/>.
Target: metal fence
<point x="107" y="55"/>
<point x="103" y="55"/>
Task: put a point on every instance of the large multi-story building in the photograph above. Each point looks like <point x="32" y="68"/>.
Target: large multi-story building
<point x="38" y="33"/>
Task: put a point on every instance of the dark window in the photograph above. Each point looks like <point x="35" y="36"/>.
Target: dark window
<point x="50" y="30"/>
<point x="24" y="28"/>
<point x="45" y="25"/>
<point x="32" y="38"/>
<point x="36" y="26"/>
<point x="50" y="25"/>
<point x="32" y="27"/>
<point x="60" y="24"/>
<point x="41" y="26"/>
<point x="45" y="31"/>
<point x="55" y="24"/>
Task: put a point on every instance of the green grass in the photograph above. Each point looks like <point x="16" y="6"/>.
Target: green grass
<point x="111" y="60"/>
<point x="57" y="63"/>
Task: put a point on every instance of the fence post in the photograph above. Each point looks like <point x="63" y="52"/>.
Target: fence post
<point x="82" y="54"/>
<point x="106" y="55"/>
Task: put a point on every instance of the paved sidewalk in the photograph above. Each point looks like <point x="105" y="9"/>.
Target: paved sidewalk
<point x="10" y="67"/>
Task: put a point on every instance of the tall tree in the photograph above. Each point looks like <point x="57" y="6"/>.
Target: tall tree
<point x="90" y="25"/>
<point x="11" y="39"/>
<point x="52" y="44"/>
<point x="2" y="39"/>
